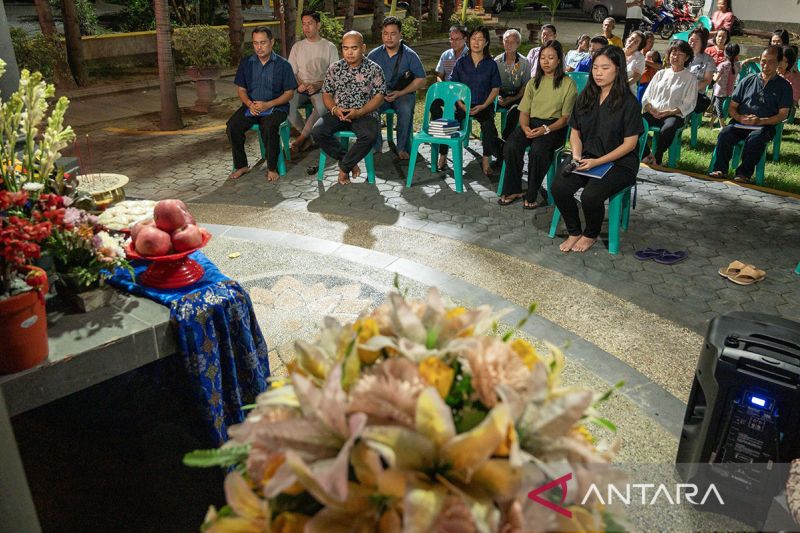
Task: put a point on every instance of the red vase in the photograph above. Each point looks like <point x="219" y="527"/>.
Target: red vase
<point x="23" y="330"/>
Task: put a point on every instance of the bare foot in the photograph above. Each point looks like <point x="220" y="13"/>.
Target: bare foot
<point x="355" y="171"/>
<point x="272" y="175"/>
<point x="297" y="145"/>
<point x="567" y="245"/>
<point x="344" y="179"/>
<point x="442" y="163"/>
<point x="487" y="167"/>
<point x="583" y="244"/>
<point x="403" y="156"/>
<point x="236" y="174"/>
<point x="649" y="160"/>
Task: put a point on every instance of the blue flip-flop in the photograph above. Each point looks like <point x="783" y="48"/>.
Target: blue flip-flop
<point x="670" y="258"/>
<point x="649" y="253"/>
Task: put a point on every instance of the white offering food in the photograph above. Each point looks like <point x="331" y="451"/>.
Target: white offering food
<point x="125" y="214"/>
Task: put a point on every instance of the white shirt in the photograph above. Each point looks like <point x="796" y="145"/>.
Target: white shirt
<point x="310" y="61"/>
<point x="669" y="90"/>
<point x="634" y="12"/>
<point x="636" y="64"/>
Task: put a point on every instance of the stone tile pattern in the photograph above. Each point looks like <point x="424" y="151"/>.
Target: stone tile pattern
<point x="715" y="222"/>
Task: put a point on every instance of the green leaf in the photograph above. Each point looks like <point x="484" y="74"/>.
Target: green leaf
<point x="430" y="341"/>
<point x="604" y="423"/>
<point x="606" y="395"/>
<point x="470" y="418"/>
<point x="522" y="322"/>
<point x="223" y="457"/>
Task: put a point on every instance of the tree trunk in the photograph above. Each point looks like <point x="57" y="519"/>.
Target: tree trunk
<point x="433" y="11"/>
<point x="45" y="15"/>
<point x="291" y="20"/>
<point x="170" y="116"/>
<point x="378" y="14"/>
<point x="329" y="8"/>
<point x="415" y="9"/>
<point x="63" y="77"/>
<point x="235" y="30"/>
<point x="72" y="35"/>
<point x="349" y="14"/>
<point x="447" y="12"/>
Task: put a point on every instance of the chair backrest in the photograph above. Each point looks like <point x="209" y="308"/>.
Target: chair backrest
<point x="643" y="138"/>
<point x="449" y="92"/>
<point x="706" y="22"/>
<point x="580" y="79"/>
<point x="747" y="69"/>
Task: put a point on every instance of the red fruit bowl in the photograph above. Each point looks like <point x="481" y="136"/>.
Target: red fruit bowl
<point x="171" y="271"/>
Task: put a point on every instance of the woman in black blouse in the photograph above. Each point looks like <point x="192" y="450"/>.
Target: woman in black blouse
<point x="606" y="125"/>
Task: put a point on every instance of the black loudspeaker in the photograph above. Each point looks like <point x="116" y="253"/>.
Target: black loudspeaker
<point x="743" y="416"/>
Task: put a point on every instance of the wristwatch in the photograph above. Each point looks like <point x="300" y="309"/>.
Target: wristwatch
<point x="546" y="129"/>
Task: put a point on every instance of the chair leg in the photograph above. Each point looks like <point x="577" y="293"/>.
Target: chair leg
<point x="502" y="179"/>
<point x="760" y="168"/>
<point x="434" y="157"/>
<point x="550" y="177"/>
<point x="554" y="223"/>
<point x="626" y="209"/>
<point x="285" y="134"/>
<point x="281" y="164"/>
<point x="614" y="218"/>
<point x="413" y="160"/>
<point x="322" y="160"/>
<point x="797" y="270"/>
<point x="390" y="127"/>
<point x="737" y="155"/>
<point x="697" y="121"/>
<point x="458" y="168"/>
<point x="369" y="161"/>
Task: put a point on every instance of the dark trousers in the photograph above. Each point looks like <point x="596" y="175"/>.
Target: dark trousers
<point x="630" y="25"/>
<point x="593" y="198"/>
<point x="486" y="119"/>
<point x="512" y="121"/>
<point x="669" y="126"/>
<point x="366" y="129"/>
<point x="270" y="125"/>
<point x="539" y="160"/>
<point x="754" y="144"/>
<point x="703" y="102"/>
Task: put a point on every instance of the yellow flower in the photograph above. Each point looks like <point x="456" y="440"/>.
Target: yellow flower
<point x="526" y="352"/>
<point x="277" y="384"/>
<point x="584" y="433"/>
<point x="290" y="523"/>
<point x="274" y="462"/>
<point x="437" y="373"/>
<point x="366" y="329"/>
<point x="455" y="312"/>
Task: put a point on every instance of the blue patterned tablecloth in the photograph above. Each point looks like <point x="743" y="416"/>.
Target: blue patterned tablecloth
<point x="224" y="353"/>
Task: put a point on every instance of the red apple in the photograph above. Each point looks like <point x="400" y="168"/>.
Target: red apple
<point x="170" y="215"/>
<point x="152" y="241"/>
<point x="136" y="228"/>
<point x="187" y="238"/>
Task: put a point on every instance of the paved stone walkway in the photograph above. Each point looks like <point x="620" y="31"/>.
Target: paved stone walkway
<point x="715" y="222"/>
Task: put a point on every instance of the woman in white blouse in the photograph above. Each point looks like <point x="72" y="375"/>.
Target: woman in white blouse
<point x="670" y="97"/>
<point x="634" y="58"/>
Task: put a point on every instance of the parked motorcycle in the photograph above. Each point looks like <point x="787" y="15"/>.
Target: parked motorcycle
<point x="660" y="22"/>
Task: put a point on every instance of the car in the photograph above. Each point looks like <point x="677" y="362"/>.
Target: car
<point x="499" y="5"/>
<point x="600" y="9"/>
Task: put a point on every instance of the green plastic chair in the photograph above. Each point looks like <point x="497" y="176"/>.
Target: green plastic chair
<point x="747" y="69"/>
<point x="674" y="152"/>
<point x="389" y="124"/>
<point x="695" y="121"/>
<point x="283" y="153"/>
<point x="550" y="176"/>
<point x="619" y="206"/>
<point x="344" y="138"/>
<point x="797" y="270"/>
<point x="736" y="159"/>
<point x="580" y="79"/>
<point x="776" y="141"/>
<point x="706" y="22"/>
<point x="449" y="92"/>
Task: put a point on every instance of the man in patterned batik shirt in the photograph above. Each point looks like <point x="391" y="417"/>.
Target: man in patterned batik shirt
<point x="353" y="91"/>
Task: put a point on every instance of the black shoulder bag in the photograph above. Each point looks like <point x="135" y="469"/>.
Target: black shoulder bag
<point x="406" y="77"/>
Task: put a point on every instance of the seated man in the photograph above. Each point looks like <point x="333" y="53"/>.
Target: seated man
<point x="596" y="44"/>
<point x="310" y="59"/>
<point x="265" y="83"/>
<point x="759" y="102"/>
<point x="404" y="74"/>
<point x="608" y="32"/>
<point x="548" y="33"/>
<point x="353" y="91"/>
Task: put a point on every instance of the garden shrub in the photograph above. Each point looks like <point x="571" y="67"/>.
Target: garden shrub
<point x="37" y="53"/>
<point x="411" y="29"/>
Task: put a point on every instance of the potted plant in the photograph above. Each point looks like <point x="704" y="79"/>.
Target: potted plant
<point x="203" y="50"/>
<point x="28" y="213"/>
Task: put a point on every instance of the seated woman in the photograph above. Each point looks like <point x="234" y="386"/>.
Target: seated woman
<point x="606" y="124"/>
<point x="787" y="69"/>
<point x="514" y="74"/>
<point x="635" y="58"/>
<point x="479" y="72"/>
<point x="669" y="98"/>
<point x="702" y="66"/>
<point x="543" y="113"/>
<point x="581" y="52"/>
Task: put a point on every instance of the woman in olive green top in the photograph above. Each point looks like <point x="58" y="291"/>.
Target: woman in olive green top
<point x="543" y="114"/>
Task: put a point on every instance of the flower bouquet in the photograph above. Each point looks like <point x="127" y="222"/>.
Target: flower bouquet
<point x="416" y="417"/>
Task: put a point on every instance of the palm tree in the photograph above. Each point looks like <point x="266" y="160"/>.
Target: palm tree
<point x="349" y="14"/>
<point x="378" y="14"/>
<point x="170" y="116"/>
<point x="552" y="6"/>
<point x="235" y="29"/>
<point x="72" y="34"/>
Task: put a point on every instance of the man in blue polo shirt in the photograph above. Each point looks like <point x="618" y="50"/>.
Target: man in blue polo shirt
<point x="759" y="102"/>
<point x="404" y="74"/>
<point x="265" y="83"/>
